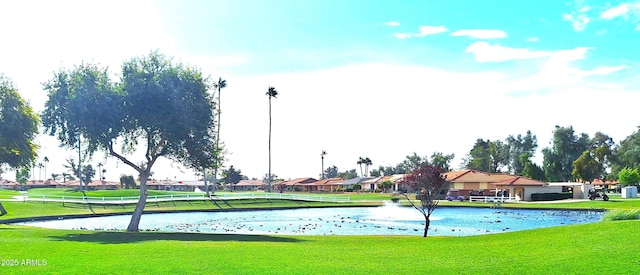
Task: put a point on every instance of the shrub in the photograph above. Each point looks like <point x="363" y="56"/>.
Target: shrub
<point x="620" y="215"/>
<point x="550" y="196"/>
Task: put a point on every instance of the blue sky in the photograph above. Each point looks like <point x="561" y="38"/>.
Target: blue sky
<point x="378" y="79"/>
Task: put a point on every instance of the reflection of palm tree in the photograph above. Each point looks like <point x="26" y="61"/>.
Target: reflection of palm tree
<point x="221" y="84"/>
<point x="270" y="93"/>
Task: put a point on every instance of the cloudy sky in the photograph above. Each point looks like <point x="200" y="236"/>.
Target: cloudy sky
<point x="357" y="78"/>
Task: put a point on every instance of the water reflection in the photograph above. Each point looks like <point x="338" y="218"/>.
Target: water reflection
<point x="385" y="220"/>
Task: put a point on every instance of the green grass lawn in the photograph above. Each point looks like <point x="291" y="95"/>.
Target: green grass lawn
<point x="605" y="247"/>
<point x="8" y="194"/>
<point x="38" y="192"/>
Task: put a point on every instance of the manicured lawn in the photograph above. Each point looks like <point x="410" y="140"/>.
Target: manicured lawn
<point x="38" y="192"/>
<point x="605" y="247"/>
<point x="7" y="194"/>
<point x="36" y="209"/>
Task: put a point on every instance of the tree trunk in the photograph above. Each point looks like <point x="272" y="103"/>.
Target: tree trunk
<point x="426" y="225"/>
<point x="269" y="176"/>
<point x="2" y="210"/>
<point x="215" y="167"/>
<point x="206" y="187"/>
<point x="137" y="214"/>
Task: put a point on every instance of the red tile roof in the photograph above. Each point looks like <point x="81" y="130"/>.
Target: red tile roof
<point x="331" y="181"/>
<point x="475" y="176"/>
<point x="520" y="181"/>
<point x="298" y="181"/>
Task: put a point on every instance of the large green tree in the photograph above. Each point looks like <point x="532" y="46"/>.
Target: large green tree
<point x="18" y="129"/>
<point x="566" y="147"/>
<point x="487" y="156"/>
<point x="232" y="176"/>
<point x="627" y="153"/>
<point x="159" y="107"/>
<point x="518" y="147"/>
<point x="629" y="176"/>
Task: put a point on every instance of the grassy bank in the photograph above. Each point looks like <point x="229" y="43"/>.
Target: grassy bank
<point x="558" y="250"/>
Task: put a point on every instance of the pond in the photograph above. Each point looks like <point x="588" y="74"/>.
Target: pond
<point x="384" y="220"/>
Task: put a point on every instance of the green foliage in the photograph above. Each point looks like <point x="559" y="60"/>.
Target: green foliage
<point x="161" y="105"/>
<point x="351" y="174"/>
<point x="488" y="156"/>
<point x="586" y="167"/>
<point x="517" y="148"/>
<point x="566" y="147"/>
<point x="628" y="153"/>
<point x="22" y="175"/>
<point x="232" y="176"/>
<point x="332" y="172"/>
<point x="127" y="181"/>
<point x="628" y="176"/>
<point x="620" y="215"/>
<point x="18" y="127"/>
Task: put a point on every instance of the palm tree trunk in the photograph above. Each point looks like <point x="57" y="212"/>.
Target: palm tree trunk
<point x="269" y="176"/>
<point x="215" y="167"/>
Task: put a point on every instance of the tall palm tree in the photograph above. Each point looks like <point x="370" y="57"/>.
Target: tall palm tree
<point x="271" y="93"/>
<point x="46" y="160"/>
<point x="40" y="166"/>
<point x="221" y="84"/>
<point x="361" y="162"/>
<point x="367" y="162"/>
<point x="324" y="153"/>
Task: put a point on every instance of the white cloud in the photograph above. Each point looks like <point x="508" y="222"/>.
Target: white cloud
<point x="578" y="17"/>
<point x="578" y="21"/>
<point x="480" y="34"/>
<point x="532" y="39"/>
<point x="391" y="24"/>
<point x="402" y="35"/>
<point x="614" y="12"/>
<point x="430" y="30"/>
<point x="485" y="52"/>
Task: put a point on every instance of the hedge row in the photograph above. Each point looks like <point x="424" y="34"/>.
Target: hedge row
<point x="550" y="196"/>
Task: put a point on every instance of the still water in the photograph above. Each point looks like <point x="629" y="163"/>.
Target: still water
<point x="384" y="220"/>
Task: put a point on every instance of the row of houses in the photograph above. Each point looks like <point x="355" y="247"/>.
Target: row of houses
<point x="466" y="182"/>
<point x="167" y="185"/>
<point x="75" y="184"/>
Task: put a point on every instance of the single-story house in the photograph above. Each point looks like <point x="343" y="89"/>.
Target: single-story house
<point x="12" y="185"/>
<point x="475" y="183"/>
<point x="522" y="187"/>
<point x="348" y="184"/>
<point x="294" y="184"/>
<point x="249" y="185"/>
<point x="324" y="185"/>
